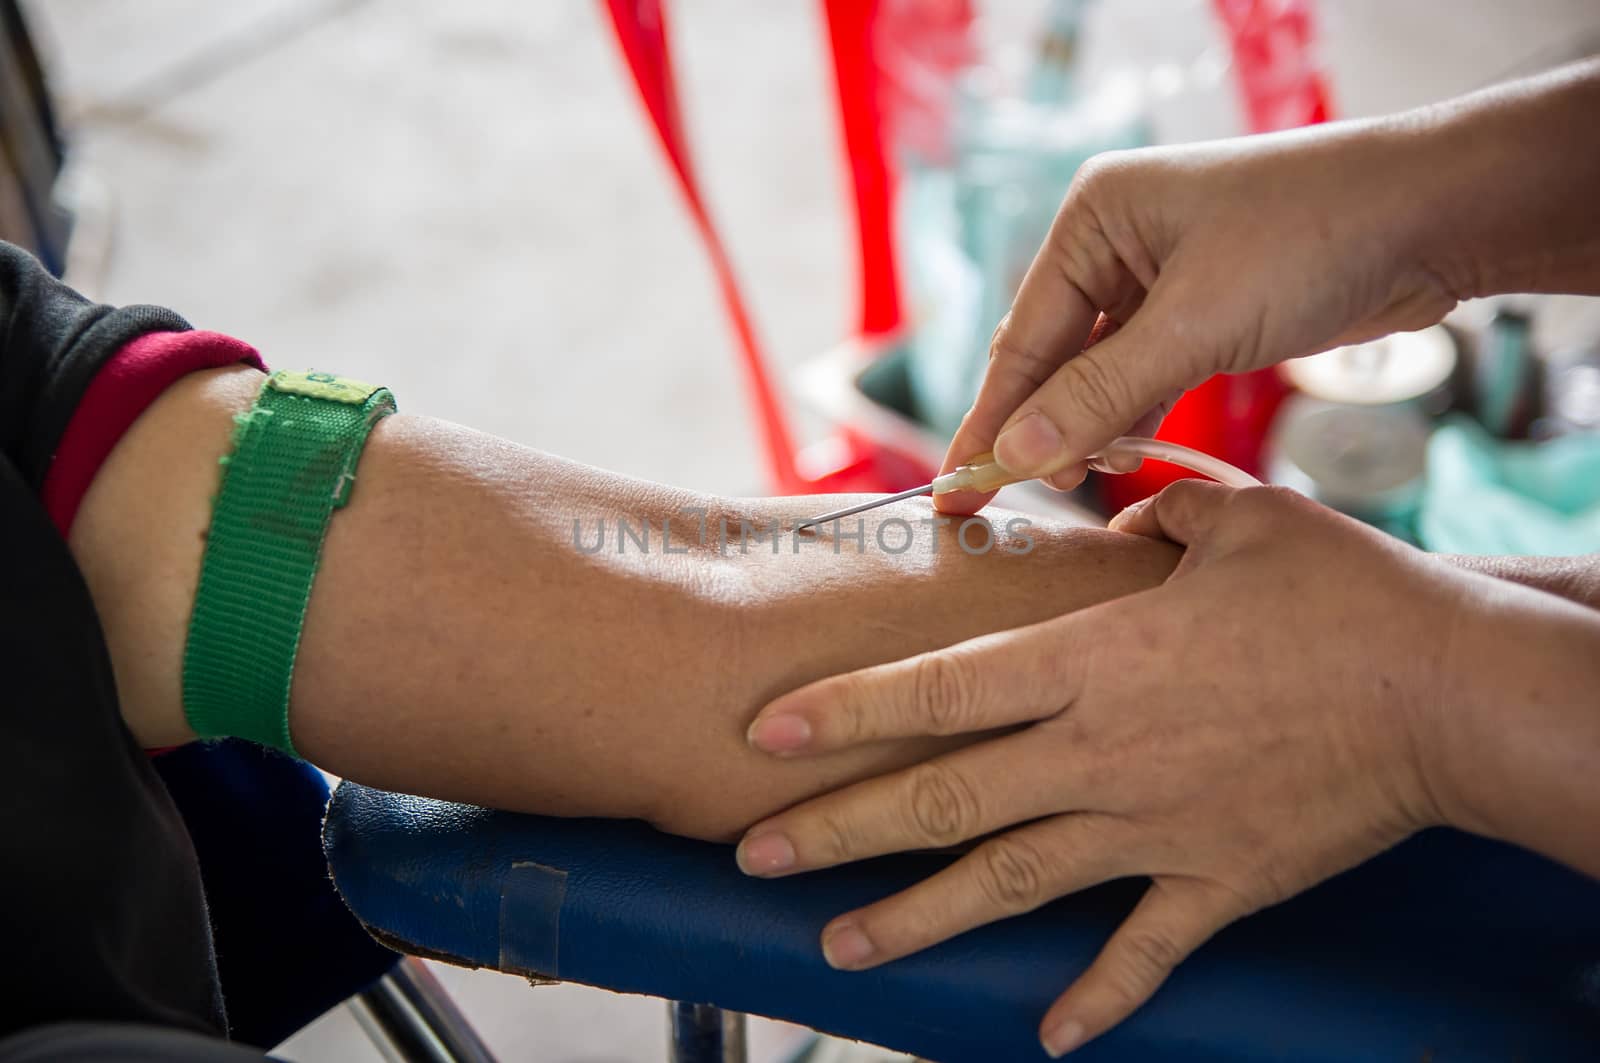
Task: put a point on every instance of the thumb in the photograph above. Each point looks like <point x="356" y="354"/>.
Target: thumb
<point x="1186" y="512"/>
<point x="1092" y="399"/>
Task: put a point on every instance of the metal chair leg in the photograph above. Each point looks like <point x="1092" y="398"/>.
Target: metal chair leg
<point x="411" y="1019"/>
<point x="702" y="1033"/>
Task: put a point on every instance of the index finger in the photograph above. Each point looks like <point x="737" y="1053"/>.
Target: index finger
<point x="992" y="681"/>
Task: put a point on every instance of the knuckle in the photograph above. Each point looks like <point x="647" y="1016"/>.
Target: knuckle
<point x="847" y="718"/>
<point x="1016" y="358"/>
<point x="1183" y="498"/>
<point x="1147" y="958"/>
<point x="944" y="807"/>
<point x="1101" y="171"/>
<point x="1099" y="390"/>
<point x="1106" y="182"/>
<point x="1011" y="875"/>
<point x="1268" y="504"/>
<point x="1181" y="493"/>
<point x="1089" y="177"/>
<point x="835" y="840"/>
<point x="944" y="692"/>
<point x="1073" y="243"/>
<point x="1278" y="496"/>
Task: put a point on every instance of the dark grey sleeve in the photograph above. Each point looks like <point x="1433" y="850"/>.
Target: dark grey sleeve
<point x="52" y="342"/>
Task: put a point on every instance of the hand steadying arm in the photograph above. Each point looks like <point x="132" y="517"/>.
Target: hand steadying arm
<point x="1302" y="693"/>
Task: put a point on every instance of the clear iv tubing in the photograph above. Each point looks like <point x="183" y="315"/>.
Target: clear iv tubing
<point x="1176" y="454"/>
<point x="983" y="473"/>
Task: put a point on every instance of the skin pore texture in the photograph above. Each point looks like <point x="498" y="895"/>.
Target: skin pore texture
<point x="461" y="642"/>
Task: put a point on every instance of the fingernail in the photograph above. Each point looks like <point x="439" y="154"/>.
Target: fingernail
<point x="765" y="854"/>
<point x="1029" y="446"/>
<point x="780" y="734"/>
<point x="846" y="947"/>
<point x="1062" y="1037"/>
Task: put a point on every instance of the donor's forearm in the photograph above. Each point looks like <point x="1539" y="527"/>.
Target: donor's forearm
<point x="555" y="639"/>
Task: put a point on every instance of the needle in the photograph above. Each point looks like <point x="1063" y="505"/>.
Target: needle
<point x="982" y="473"/>
<point x="850" y="511"/>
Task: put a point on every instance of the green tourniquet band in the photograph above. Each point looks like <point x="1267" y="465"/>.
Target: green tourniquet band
<point x="293" y="464"/>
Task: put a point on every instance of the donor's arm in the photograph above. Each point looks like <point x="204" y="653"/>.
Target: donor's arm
<point x="494" y="625"/>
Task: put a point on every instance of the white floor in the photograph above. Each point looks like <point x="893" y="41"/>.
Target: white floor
<point x="462" y="201"/>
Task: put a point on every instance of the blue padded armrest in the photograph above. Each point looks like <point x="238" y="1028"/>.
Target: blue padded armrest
<point x="1447" y="948"/>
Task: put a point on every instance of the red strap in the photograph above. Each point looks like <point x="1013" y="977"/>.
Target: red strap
<point x="641" y="31"/>
<point x="1274" y="53"/>
<point x="861" y="113"/>
<point x="121" y="390"/>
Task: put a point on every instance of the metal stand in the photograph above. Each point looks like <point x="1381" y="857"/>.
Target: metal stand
<point x="411" y="1019"/>
<point x="702" y="1033"/>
